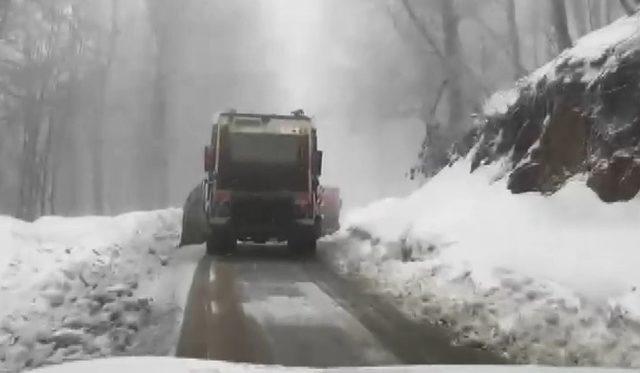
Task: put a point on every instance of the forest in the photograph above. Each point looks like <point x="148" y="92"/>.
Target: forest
<point x="104" y="104"/>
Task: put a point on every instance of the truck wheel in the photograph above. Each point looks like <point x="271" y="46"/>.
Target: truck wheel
<point x="221" y="242"/>
<point x="303" y="244"/>
<point x="310" y="247"/>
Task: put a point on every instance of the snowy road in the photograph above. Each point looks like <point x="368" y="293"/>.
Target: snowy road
<point x="262" y="306"/>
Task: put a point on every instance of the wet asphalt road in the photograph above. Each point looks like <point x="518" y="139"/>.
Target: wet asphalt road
<point x="264" y="306"/>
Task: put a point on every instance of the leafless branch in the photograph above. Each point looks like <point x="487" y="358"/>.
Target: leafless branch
<point x="401" y="31"/>
<point x="422" y="28"/>
<point x="501" y="41"/>
<point x="439" y="95"/>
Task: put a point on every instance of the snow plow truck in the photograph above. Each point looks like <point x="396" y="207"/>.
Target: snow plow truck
<point x="261" y="184"/>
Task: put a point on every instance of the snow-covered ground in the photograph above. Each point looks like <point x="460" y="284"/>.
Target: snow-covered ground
<point x="75" y="288"/>
<point x="593" y="55"/>
<point x="545" y="279"/>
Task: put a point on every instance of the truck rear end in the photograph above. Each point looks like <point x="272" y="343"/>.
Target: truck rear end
<point x="262" y="181"/>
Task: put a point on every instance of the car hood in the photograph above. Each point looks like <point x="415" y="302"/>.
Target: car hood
<point x="175" y="365"/>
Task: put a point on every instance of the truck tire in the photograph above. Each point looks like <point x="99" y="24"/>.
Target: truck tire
<point x="310" y="247"/>
<point x="221" y="242"/>
<point x="303" y="244"/>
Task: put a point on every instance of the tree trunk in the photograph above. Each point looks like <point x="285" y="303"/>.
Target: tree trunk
<point x="52" y="166"/>
<point x="65" y="152"/>
<point x="454" y="69"/>
<point x="559" y="18"/>
<point x="484" y="55"/>
<point x="595" y="14"/>
<point x="629" y="6"/>
<point x="535" y="19"/>
<point x="30" y="182"/>
<point x="580" y="10"/>
<point x="609" y="10"/>
<point x="46" y="169"/>
<point x="165" y="19"/>
<point x="162" y="17"/>
<point x="98" y="185"/>
<point x="97" y="163"/>
<point x="160" y="161"/>
<point x="514" y="40"/>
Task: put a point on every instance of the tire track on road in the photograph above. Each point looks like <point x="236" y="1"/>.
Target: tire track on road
<point x="263" y="306"/>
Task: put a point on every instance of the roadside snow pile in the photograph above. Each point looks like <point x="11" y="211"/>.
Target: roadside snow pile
<point x="543" y="279"/>
<point x="500" y="102"/>
<point x="76" y="288"/>
<point x="512" y="245"/>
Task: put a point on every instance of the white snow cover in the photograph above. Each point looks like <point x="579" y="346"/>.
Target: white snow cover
<point x="500" y="102"/>
<point x="591" y="47"/>
<point x="75" y="288"/>
<point x="545" y="279"/>
<point x="172" y="365"/>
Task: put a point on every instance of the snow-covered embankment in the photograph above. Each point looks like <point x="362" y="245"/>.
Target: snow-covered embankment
<point x="75" y="288"/>
<point x="544" y="279"/>
<point x="545" y="276"/>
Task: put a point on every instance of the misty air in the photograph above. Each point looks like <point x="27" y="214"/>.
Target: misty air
<point x="319" y="185"/>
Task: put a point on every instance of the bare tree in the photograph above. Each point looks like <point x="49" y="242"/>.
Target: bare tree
<point x="514" y="40"/>
<point x="630" y="6"/>
<point x="451" y="59"/>
<point x="163" y="15"/>
<point x="595" y="14"/>
<point x="434" y="147"/>
<point x="36" y="84"/>
<point x="102" y="77"/>
<point x="36" y="81"/>
<point x="580" y="10"/>
<point x="454" y="68"/>
<point x="559" y="19"/>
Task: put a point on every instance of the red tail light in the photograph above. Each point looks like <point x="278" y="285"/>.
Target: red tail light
<point x="221" y="196"/>
<point x="302" y="199"/>
<point x="303" y="204"/>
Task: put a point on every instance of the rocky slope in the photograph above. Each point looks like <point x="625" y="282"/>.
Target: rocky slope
<point x="579" y="114"/>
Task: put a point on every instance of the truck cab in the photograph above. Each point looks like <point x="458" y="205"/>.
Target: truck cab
<point x="262" y="180"/>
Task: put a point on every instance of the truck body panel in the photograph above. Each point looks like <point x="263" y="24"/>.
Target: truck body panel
<point x="262" y="179"/>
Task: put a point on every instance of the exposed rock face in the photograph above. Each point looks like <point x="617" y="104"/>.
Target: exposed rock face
<point x="616" y="179"/>
<point x="580" y="117"/>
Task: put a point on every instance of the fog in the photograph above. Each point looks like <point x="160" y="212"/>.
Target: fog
<point x="302" y="55"/>
<point x="125" y="92"/>
<point x="322" y="56"/>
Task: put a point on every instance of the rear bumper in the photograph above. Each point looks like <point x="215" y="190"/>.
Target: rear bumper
<point x="261" y="216"/>
<point x="265" y="230"/>
<point x="297" y="223"/>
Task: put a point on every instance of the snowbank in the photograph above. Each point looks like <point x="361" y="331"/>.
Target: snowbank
<point x="545" y="279"/>
<point x="169" y="365"/>
<point x="588" y="56"/>
<point x="75" y="288"/>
